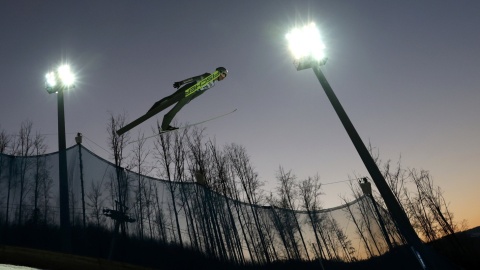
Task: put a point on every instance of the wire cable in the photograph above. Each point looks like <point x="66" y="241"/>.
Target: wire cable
<point x="341" y="181"/>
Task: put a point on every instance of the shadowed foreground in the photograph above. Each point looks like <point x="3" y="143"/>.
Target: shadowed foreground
<point x="150" y="255"/>
<point x="51" y="260"/>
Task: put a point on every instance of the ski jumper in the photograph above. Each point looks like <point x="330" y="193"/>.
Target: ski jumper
<point x="180" y="98"/>
<point x="193" y="87"/>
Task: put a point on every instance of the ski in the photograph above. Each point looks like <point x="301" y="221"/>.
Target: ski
<point x="187" y="126"/>
<point x="194" y="88"/>
<point x="195" y="124"/>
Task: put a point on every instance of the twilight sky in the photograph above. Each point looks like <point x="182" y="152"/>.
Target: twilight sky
<point x="406" y="72"/>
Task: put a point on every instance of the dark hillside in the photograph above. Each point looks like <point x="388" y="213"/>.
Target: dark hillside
<point x="93" y="245"/>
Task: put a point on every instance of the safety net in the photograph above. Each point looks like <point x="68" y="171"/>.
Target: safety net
<point x="213" y="221"/>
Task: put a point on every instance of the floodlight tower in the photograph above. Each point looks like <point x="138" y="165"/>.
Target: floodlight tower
<point x="60" y="80"/>
<point x="308" y="51"/>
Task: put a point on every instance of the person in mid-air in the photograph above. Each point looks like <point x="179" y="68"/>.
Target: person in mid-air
<point x="181" y="98"/>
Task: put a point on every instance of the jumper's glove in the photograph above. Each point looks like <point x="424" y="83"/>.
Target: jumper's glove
<point x="176" y="84"/>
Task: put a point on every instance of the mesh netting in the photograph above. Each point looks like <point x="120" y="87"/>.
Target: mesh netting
<point x="186" y="213"/>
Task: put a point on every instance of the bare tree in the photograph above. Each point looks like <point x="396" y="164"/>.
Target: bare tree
<point x="342" y="240"/>
<point x="40" y="148"/>
<point x="422" y="220"/>
<point x="360" y="223"/>
<point x="310" y="191"/>
<point x="233" y="191"/>
<point x="120" y="181"/>
<point x="202" y="166"/>
<point x="287" y="193"/>
<point x="199" y="163"/>
<point x="424" y="204"/>
<point x="432" y="197"/>
<point x="283" y="220"/>
<point x="139" y="164"/>
<point x="5" y="140"/>
<point x="96" y="203"/>
<point x="395" y="175"/>
<point x="149" y="191"/>
<point x="23" y="146"/>
<point x="250" y="183"/>
<point x="160" y="219"/>
<point x="46" y="183"/>
<point x="164" y="149"/>
<point x="221" y="168"/>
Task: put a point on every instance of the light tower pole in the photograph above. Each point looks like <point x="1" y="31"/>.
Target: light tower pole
<point x="308" y="50"/>
<point x="58" y="81"/>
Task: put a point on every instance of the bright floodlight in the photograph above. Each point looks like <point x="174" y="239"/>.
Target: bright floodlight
<point x="62" y="78"/>
<point x="306" y="45"/>
<point x="51" y="80"/>
<point x="66" y="75"/>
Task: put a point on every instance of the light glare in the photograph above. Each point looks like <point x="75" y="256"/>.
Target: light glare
<point x="50" y="79"/>
<point x="60" y="79"/>
<point x="66" y="75"/>
<point x="306" y="42"/>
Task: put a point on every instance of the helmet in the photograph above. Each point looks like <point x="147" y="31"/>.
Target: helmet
<point x="222" y="70"/>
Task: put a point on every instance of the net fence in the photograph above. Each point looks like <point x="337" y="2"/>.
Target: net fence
<point x="186" y="213"/>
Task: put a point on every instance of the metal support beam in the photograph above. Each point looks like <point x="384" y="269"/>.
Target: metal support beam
<point x="398" y="214"/>
<point x="63" y="176"/>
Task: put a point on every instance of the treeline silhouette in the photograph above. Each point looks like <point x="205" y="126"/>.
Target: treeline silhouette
<point x="205" y="202"/>
<point x="94" y="242"/>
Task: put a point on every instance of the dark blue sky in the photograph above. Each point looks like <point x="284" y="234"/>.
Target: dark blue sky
<point x="406" y="72"/>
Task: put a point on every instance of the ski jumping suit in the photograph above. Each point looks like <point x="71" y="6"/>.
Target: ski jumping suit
<point x="179" y="98"/>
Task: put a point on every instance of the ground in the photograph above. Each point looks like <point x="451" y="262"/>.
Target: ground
<point x="52" y="261"/>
